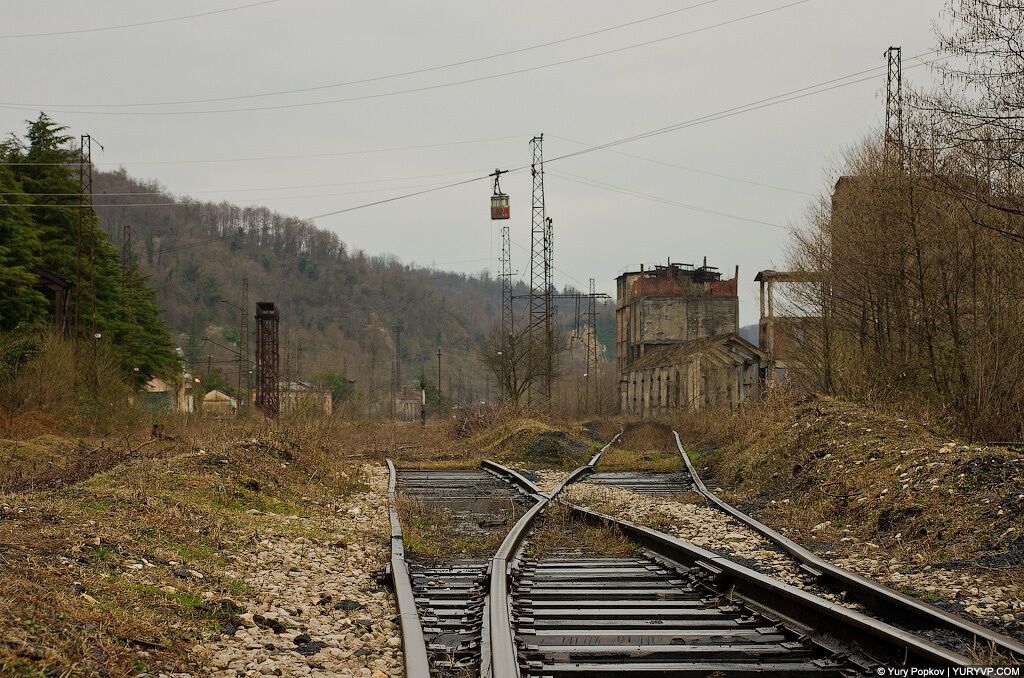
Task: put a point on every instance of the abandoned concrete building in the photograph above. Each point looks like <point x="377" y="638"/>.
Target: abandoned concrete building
<point x="790" y="337"/>
<point x="677" y="341"/>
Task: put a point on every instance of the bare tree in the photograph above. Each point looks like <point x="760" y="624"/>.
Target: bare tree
<point x="518" y="363"/>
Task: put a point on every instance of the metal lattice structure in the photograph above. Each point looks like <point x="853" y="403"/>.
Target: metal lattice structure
<point x="244" y="375"/>
<point x="85" y="181"/>
<point x="894" y="104"/>
<point x="507" y="311"/>
<point x="539" y="327"/>
<point x="591" y="343"/>
<point x="268" y="397"/>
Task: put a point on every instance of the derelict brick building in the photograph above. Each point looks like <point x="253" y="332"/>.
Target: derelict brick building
<point x="677" y="341"/>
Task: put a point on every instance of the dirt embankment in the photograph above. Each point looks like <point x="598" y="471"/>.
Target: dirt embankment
<point x="896" y="499"/>
<point x="168" y="559"/>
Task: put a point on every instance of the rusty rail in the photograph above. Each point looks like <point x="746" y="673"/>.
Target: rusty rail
<point x="501" y="661"/>
<point x="414" y="645"/>
<point x="880" y="599"/>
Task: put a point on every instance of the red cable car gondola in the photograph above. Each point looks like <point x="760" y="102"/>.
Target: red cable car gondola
<point x="499" y="201"/>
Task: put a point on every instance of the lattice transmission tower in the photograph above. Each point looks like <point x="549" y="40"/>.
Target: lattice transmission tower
<point x="894" y="104"/>
<point x="268" y="380"/>
<point x="539" y="327"/>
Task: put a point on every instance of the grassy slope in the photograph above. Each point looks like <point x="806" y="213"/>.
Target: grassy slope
<point x="827" y="469"/>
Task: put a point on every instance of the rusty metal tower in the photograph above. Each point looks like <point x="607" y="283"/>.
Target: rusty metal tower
<point x="539" y="328"/>
<point x="591" y="343"/>
<point x="894" y="104"/>
<point x="85" y="181"/>
<point x="244" y="375"/>
<point x="267" y="358"/>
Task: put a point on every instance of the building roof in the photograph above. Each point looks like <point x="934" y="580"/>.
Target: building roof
<point x="302" y="386"/>
<point x="789" y="276"/>
<point x="216" y="396"/>
<point x="730" y="348"/>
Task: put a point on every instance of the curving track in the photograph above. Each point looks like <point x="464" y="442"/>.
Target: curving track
<point x="667" y="609"/>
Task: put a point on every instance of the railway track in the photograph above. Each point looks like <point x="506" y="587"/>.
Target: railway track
<point x="663" y="608"/>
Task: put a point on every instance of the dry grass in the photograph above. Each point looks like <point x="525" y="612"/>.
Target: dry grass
<point x="47" y="385"/>
<point x="559" y="530"/>
<point x="432" y="533"/>
<point x="533" y="443"/>
<point x="646" y="446"/>
<point x="88" y="570"/>
<point x="909" y="487"/>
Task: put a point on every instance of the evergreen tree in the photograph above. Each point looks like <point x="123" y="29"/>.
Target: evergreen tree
<point x="69" y="241"/>
<point x="19" y="252"/>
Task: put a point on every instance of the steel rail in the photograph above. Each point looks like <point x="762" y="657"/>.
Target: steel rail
<point x="874" y="596"/>
<point x="502" y="660"/>
<point x="795" y="606"/>
<point x="414" y="645"/>
<point x="776" y="598"/>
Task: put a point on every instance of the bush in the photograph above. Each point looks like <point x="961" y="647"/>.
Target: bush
<point x="49" y="383"/>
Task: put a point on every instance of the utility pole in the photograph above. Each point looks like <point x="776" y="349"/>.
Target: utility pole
<point x="126" y="265"/>
<point x="591" y="344"/>
<point x="440" y="395"/>
<point x="85" y="181"/>
<point x="423" y="400"/>
<point x="126" y="246"/>
<point x="396" y="372"/>
<point x="398" y="356"/>
<point x="243" y="345"/>
<point x="894" y="105"/>
<point x="539" y="327"/>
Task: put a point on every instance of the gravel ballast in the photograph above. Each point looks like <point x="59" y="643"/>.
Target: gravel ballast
<point x="314" y="605"/>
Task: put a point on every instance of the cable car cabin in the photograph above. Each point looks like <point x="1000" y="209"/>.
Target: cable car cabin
<point x="499" y="206"/>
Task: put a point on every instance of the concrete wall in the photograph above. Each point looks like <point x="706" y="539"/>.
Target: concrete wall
<point x="701" y="381"/>
<point x="674" y="319"/>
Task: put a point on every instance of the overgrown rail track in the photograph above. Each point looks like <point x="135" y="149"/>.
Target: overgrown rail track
<point x="666" y="608"/>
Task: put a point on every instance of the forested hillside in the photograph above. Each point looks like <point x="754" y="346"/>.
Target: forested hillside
<point x="339" y="307"/>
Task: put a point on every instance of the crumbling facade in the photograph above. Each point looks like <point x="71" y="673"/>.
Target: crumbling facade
<point x="692" y="375"/>
<point x="677" y="341"/>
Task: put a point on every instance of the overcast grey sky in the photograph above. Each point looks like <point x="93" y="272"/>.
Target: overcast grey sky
<point x="295" y="44"/>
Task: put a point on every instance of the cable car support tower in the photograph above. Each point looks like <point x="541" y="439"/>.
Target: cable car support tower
<point x="539" y="327"/>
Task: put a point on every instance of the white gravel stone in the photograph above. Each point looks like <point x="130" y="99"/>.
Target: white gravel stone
<point x="289" y="575"/>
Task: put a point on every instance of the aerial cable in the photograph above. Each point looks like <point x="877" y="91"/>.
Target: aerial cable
<point x="424" y="88"/>
<point x="138" y="23"/>
<point x="250" y="190"/>
<point x="575" y="178"/>
<point x="306" y="156"/>
<point x="688" y="169"/>
<point x="389" y="76"/>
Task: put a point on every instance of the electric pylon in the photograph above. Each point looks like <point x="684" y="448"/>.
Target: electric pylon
<point x="894" y="104"/>
<point x="539" y="323"/>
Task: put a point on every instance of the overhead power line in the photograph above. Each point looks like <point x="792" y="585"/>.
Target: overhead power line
<point x="264" y="188"/>
<point x="575" y="178"/>
<point x="425" y="88"/>
<point x="792" y="95"/>
<point x="389" y="76"/>
<point x="137" y="23"/>
<point x="689" y="169"/>
<point x="303" y="156"/>
<point x="183" y="203"/>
